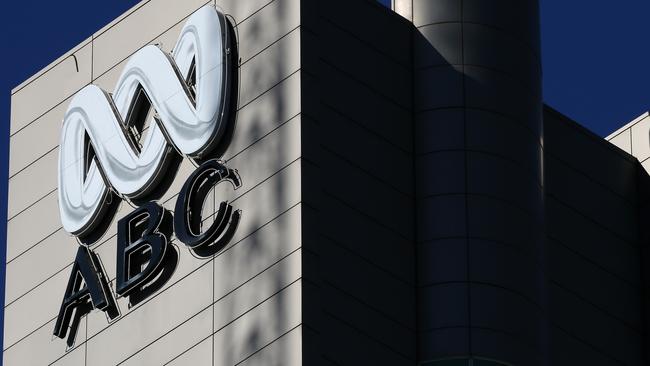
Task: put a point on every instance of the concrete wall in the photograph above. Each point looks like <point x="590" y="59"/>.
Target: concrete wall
<point x="242" y="306"/>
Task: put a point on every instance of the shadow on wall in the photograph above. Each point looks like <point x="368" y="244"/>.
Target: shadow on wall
<point x="266" y="321"/>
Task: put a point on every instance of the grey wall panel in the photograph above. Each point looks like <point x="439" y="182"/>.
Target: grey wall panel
<point x="448" y="95"/>
<point x="498" y="345"/>
<point x="485" y="174"/>
<point x="22" y="353"/>
<point x="441" y="173"/>
<point x="266" y="26"/>
<point x="436" y="11"/>
<point x="594" y="232"/>
<point x="441" y="217"/>
<point x="366" y="316"/>
<point x="392" y="211"/>
<point x="198" y="355"/>
<point x="442" y="129"/>
<point x="286" y="350"/>
<point x="45" y="129"/>
<point x="500" y="136"/>
<point x="35" y="309"/>
<point x="518" y="18"/>
<point x="493" y="263"/>
<point x="362" y="106"/>
<point x="577" y="191"/>
<point x="391" y="252"/>
<point x="509" y="317"/>
<point x="154" y="318"/>
<point x="369" y="65"/>
<point x="75" y="357"/>
<point x="176" y="342"/>
<point x="568" y="350"/>
<point x="592" y="241"/>
<point x="589" y="155"/>
<point x="511" y="99"/>
<point x="262" y="73"/>
<point x="483" y="71"/>
<point x="50" y="88"/>
<point x="621" y="299"/>
<point x="381" y="29"/>
<point x="444" y="314"/>
<point x="259" y="328"/>
<point x="370" y="285"/>
<point x="358" y="347"/>
<point x="443" y="343"/>
<point x="364" y="149"/>
<point x="594" y="327"/>
<point x="500" y="221"/>
<point x="22" y="275"/>
<point x="449" y="261"/>
<point x="446" y="38"/>
<point x="242" y="10"/>
<point x="494" y="49"/>
<point x="119" y="39"/>
<point x="32" y="184"/>
<point x="362" y="300"/>
<point x="22" y="234"/>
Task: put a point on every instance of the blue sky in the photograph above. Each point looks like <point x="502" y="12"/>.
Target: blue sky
<point x="595" y="58"/>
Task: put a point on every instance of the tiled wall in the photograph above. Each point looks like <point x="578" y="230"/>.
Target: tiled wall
<point x="241" y="307"/>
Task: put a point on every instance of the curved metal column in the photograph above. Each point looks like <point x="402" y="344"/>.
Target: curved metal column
<point x="479" y="181"/>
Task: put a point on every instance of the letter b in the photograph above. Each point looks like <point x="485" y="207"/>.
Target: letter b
<point x="145" y="257"/>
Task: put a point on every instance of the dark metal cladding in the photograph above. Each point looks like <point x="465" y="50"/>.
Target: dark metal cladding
<point x="479" y="183"/>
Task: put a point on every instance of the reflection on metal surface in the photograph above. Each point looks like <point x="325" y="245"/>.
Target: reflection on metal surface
<point x="188" y="118"/>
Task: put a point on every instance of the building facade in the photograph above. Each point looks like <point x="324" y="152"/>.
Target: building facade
<point x="406" y="198"/>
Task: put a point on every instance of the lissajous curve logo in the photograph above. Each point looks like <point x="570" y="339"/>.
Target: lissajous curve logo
<point x="186" y="101"/>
